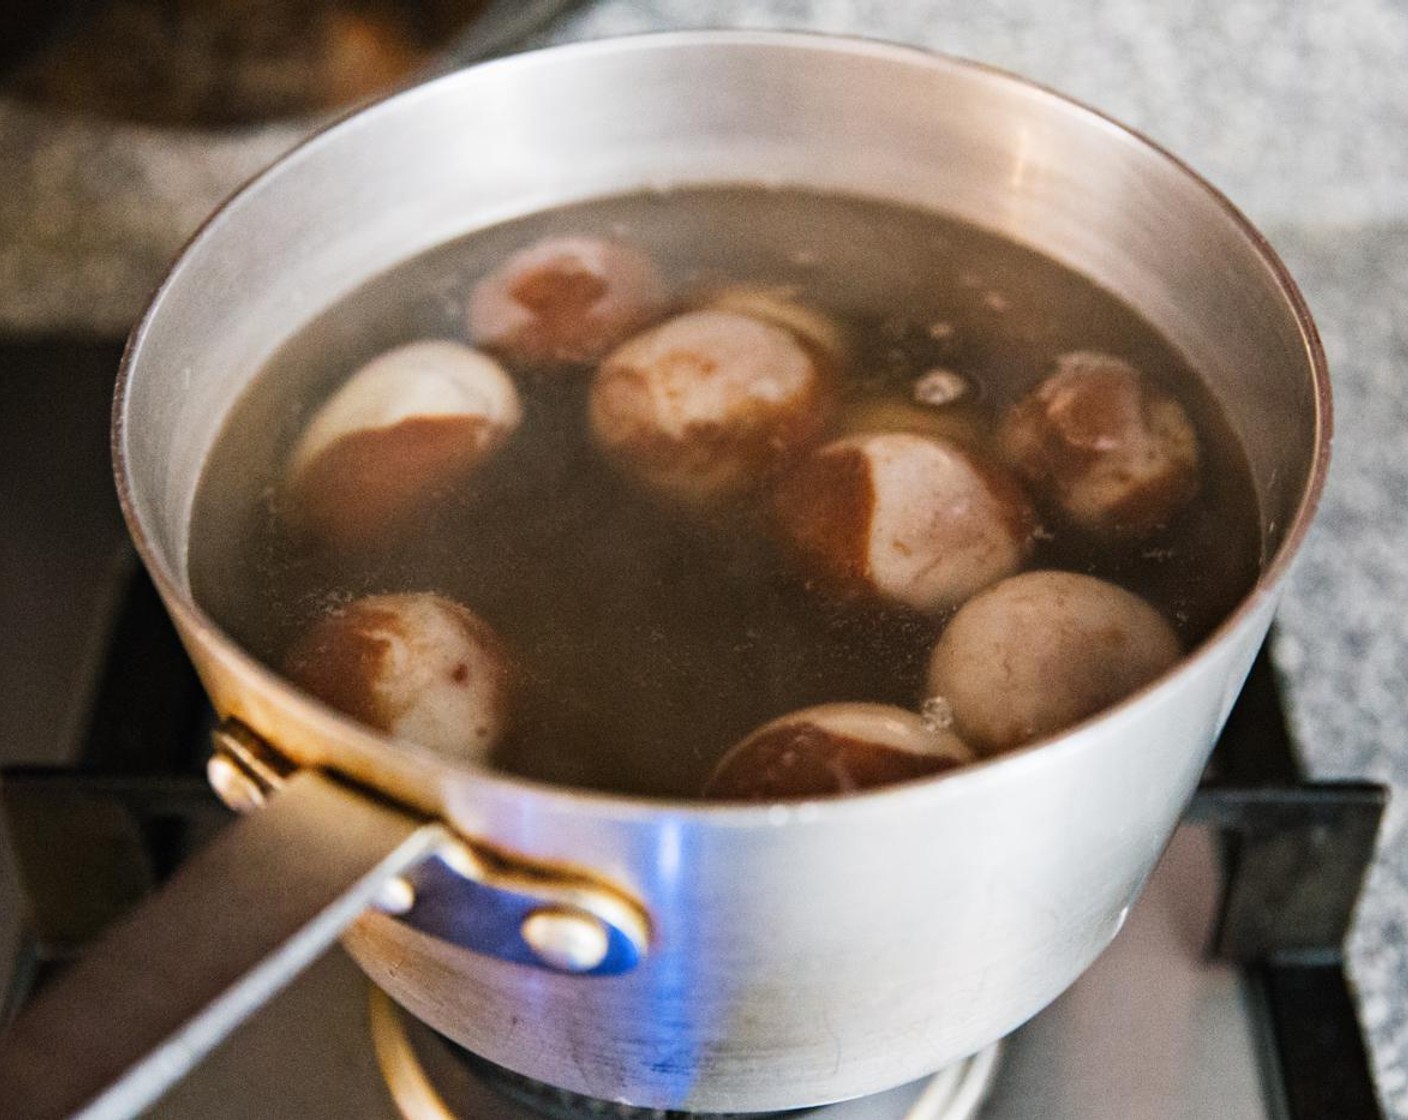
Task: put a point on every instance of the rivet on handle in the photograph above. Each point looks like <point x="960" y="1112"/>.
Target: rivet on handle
<point x="569" y="940"/>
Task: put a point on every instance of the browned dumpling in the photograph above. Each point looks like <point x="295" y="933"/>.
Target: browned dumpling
<point x="905" y="518"/>
<point x="404" y="429"/>
<point x="708" y="405"/>
<point x="416" y="666"/>
<point x="834" y="748"/>
<point x="1111" y="452"/>
<point x="1043" y="650"/>
<point x="565" y="300"/>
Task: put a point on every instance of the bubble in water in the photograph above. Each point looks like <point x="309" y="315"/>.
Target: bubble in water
<point x="936" y="713"/>
<point x="939" y="387"/>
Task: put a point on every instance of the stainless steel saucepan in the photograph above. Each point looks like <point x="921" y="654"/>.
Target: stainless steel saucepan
<point x="668" y="955"/>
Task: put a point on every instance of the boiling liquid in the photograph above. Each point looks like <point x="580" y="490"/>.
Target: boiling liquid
<point x="647" y="640"/>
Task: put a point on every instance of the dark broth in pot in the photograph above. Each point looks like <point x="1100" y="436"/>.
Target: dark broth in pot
<point x="646" y="640"/>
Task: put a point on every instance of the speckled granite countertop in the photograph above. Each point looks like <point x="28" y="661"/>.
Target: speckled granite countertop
<point x="1299" y="112"/>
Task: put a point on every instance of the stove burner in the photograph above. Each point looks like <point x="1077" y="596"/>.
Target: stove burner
<point x="430" y="1078"/>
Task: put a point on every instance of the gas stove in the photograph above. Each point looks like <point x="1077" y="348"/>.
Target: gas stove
<point x="1223" y="996"/>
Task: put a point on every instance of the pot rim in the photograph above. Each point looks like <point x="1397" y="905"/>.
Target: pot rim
<point x="744" y="814"/>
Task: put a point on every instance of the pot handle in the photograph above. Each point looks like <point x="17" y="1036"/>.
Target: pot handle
<point x="140" y="1009"/>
